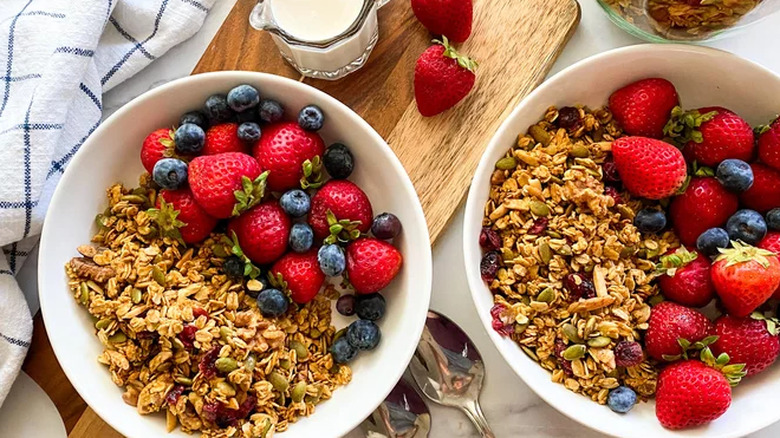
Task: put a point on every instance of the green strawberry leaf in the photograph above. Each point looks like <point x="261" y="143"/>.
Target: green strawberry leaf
<point x="341" y="231"/>
<point x="670" y="263"/>
<point x="312" y="174"/>
<point x="166" y="218"/>
<point x="250" y="270"/>
<point x="251" y="193"/>
<point x="462" y="60"/>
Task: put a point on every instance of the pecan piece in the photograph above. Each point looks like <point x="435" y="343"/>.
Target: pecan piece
<point x="85" y="267"/>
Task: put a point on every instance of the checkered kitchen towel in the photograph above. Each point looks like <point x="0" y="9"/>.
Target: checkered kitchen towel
<point x="57" y="58"/>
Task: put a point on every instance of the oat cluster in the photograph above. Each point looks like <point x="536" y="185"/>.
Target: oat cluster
<point x="182" y="338"/>
<point x="549" y="206"/>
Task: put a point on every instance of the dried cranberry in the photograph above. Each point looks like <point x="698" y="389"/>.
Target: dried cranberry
<point x="199" y="311"/>
<point x="489" y="265"/>
<point x="628" y="354"/>
<point x="578" y="286"/>
<point x="211" y="410"/>
<point x="247" y="407"/>
<point x="223" y="416"/>
<point x="146" y="335"/>
<point x="488" y="239"/>
<point x="187" y="335"/>
<point x="207" y="364"/>
<point x="569" y="118"/>
<point x="614" y="194"/>
<point x="173" y="395"/>
<point x="610" y="171"/>
<point x="500" y="324"/>
<point x="539" y="226"/>
<point x="560" y="347"/>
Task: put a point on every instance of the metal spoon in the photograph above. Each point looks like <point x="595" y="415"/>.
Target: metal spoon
<point x="403" y="414"/>
<point x="449" y="370"/>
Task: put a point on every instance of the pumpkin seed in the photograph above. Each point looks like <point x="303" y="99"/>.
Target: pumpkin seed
<point x="298" y="391"/>
<point x="506" y="163"/>
<point x="250" y="363"/>
<point x="226" y="364"/>
<point x="520" y="328"/>
<point x="135" y="295"/>
<point x="600" y="341"/>
<point x="539" y="135"/>
<point x="571" y="333"/>
<point x="278" y="381"/>
<point x="313" y="399"/>
<point x="84" y="296"/>
<point x="281" y="400"/>
<point x="564" y="250"/>
<point x="226" y="388"/>
<point x="339" y="334"/>
<point x="554" y="234"/>
<point x="117" y="338"/>
<point x="158" y="275"/>
<point x="219" y="251"/>
<point x="574" y="352"/>
<point x="314" y="333"/>
<point x="300" y="350"/>
<point x="225" y="333"/>
<point x="545" y="253"/>
<point x="627" y="251"/>
<point x="579" y="151"/>
<point x="539" y="208"/>
<point x="103" y="323"/>
<point x="266" y="428"/>
<point x="546" y="296"/>
<point x="178" y="344"/>
<point x="186" y="381"/>
<point x="134" y="199"/>
<point x="285" y="364"/>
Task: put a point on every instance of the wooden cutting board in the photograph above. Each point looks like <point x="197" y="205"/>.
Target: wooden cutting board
<point x="515" y="42"/>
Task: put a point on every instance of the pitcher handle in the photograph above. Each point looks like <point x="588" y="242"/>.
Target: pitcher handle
<point x="259" y="17"/>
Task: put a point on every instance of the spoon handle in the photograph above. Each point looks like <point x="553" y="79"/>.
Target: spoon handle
<point x="474" y="412"/>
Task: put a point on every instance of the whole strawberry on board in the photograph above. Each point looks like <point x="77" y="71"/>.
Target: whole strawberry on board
<point x="372" y="264"/>
<point x="157" y="145"/>
<point x="695" y="392"/>
<point x="341" y="203"/>
<point x="704" y="204"/>
<point x="771" y="242"/>
<point x="226" y="184"/>
<point x="752" y="341"/>
<point x="649" y="168"/>
<point x="285" y="149"/>
<point x="178" y="216"/>
<point x="769" y="144"/>
<point x="644" y="107"/>
<point x="745" y="277"/>
<point x="442" y="78"/>
<point x="711" y="135"/>
<point x="262" y="232"/>
<point x="299" y="274"/>
<point x="223" y="138"/>
<point x="686" y="277"/>
<point x="451" y="18"/>
<point x="764" y="194"/>
<point x="673" y="329"/>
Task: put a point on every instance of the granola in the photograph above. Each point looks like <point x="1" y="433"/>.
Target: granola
<point x="561" y="229"/>
<point x="182" y="338"/>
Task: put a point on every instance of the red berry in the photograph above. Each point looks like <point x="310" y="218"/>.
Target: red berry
<point x="198" y="224"/>
<point x="215" y="179"/>
<point x="748" y="341"/>
<point x="262" y="232"/>
<point x="724" y="136"/>
<point x="689" y="394"/>
<point x="686" y="279"/>
<point x="451" y="18"/>
<point x="769" y="146"/>
<point x="157" y="145"/>
<point x="539" y="225"/>
<point x="578" y="286"/>
<point x="488" y="266"/>
<point x="643" y="107"/>
<point x="442" y="78"/>
<point x="283" y="149"/>
<point x="649" y="168"/>
<point x="223" y="138"/>
<point x="560" y="347"/>
<point x="301" y="273"/>
<point x="670" y="322"/>
<point x="372" y="264"/>
<point x="489" y="239"/>
<point x="346" y="201"/>
<point x="187" y="335"/>
<point x="771" y="242"/>
<point x="628" y="354"/>
<point x="745" y="277"/>
<point x="208" y="361"/>
<point x="764" y="194"/>
<point x="704" y="205"/>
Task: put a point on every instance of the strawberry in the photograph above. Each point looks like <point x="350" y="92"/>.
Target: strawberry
<point x="769" y="145"/>
<point x="704" y="204"/>
<point x="771" y="242"/>
<point x="711" y="135"/>
<point x="180" y="217"/>
<point x="442" y="78"/>
<point x="299" y="274"/>
<point x="223" y="138"/>
<point x="669" y="324"/>
<point x="644" y="107"/>
<point x="649" y="168"/>
<point x="752" y="341"/>
<point x="691" y="393"/>
<point x="284" y="149"/>
<point x="348" y="205"/>
<point x="745" y="277"/>
<point x="372" y="264"/>
<point x="764" y="194"/>
<point x="451" y="18"/>
<point x="226" y="184"/>
<point x="262" y="232"/>
<point x="686" y="278"/>
<point x="159" y="144"/>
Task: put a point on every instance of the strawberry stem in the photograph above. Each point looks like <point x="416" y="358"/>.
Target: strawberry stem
<point x="251" y="193"/>
<point x="670" y="263"/>
<point x="683" y="126"/>
<point x="741" y="252"/>
<point x="450" y="52"/>
<point x="167" y="223"/>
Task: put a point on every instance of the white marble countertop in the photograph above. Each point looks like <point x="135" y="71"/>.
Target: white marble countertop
<point x="510" y="406"/>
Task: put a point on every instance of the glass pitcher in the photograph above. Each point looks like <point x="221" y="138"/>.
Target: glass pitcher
<point x="323" y="39"/>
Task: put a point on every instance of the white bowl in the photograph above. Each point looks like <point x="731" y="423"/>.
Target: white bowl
<point x="111" y="154"/>
<point x="703" y="77"/>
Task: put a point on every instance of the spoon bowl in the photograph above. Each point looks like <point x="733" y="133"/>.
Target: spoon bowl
<point x="403" y="414"/>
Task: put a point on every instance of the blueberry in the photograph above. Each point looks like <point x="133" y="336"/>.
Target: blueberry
<point x="345" y="305"/>
<point x="650" y="220"/>
<point x="338" y="161"/>
<point x="712" y="239"/>
<point x="363" y="334"/>
<point x="296" y="202"/>
<point x="386" y="226"/>
<point x="773" y="219"/>
<point x="734" y="175"/>
<point x="217" y="109"/>
<point x="249" y="131"/>
<point x="270" y="111"/>
<point x="196" y="118"/>
<point x="342" y="351"/>
<point x="301" y="237"/>
<point x="189" y="139"/>
<point x="370" y="307"/>
<point x="332" y="260"/>
<point x="233" y="267"/>
<point x="621" y="399"/>
<point x="170" y="173"/>
<point x="243" y="98"/>
<point x="311" y="118"/>
<point x="746" y="225"/>
<point x="272" y="302"/>
<point x="247" y="116"/>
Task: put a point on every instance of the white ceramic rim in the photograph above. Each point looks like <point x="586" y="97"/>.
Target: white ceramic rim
<point x="475" y="201"/>
<point x="416" y="322"/>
